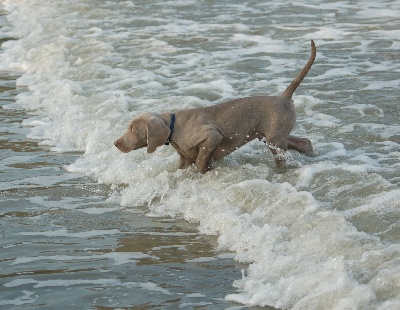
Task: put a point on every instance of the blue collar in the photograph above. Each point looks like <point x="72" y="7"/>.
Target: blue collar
<point x="171" y="128"/>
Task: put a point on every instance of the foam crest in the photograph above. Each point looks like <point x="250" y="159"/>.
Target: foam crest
<point x="118" y="258"/>
<point x="97" y="282"/>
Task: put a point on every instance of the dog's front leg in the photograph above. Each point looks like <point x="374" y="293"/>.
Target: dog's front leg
<point x="203" y="161"/>
<point x="206" y="150"/>
<point x="184" y="162"/>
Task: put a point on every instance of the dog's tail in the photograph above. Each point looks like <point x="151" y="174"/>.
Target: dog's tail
<point x="288" y="93"/>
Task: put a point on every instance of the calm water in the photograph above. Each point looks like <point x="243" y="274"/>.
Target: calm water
<point x="82" y="223"/>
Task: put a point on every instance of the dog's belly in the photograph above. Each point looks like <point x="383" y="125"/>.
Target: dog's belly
<point x="231" y="144"/>
<point x="221" y="152"/>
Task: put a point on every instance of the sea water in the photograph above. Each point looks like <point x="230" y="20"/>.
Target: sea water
<point x="323" y="233"/>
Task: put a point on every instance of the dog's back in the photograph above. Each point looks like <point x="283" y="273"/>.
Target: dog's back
<point x="252" y="116"/>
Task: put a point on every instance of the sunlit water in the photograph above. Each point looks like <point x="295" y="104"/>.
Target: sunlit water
<point x="85" y="223"/>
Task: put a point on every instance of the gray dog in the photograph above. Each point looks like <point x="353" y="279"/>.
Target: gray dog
<point x="201" y="135"/>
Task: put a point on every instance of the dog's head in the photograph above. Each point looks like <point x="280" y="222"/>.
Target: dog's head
<point x="144" y="130"/>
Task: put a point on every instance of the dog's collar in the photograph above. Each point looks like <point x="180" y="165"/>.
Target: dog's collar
<point x="171" y="128"/>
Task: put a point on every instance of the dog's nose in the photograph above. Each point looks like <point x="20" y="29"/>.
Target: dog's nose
<point x="116" y="143"/>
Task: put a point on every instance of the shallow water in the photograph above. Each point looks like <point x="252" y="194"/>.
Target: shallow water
<point x="321" y="234"/>
<point x="65" y="244"/>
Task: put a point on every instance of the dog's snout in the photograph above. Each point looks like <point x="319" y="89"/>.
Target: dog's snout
<point x="117" y="144"/>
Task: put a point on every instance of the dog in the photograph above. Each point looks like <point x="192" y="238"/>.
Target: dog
<point x="201" y="135"/>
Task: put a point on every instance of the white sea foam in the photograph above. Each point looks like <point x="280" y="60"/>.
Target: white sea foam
<point x="96" y="210"/>
<point x="27" y="297"/>
<point x="307" y="233"/>
<point x="118" y="257"/>
<point x="64" y="233"/>
<point x="201" y="260"/>
<point x="149" y="286"/>
<point x="195" y="295"/>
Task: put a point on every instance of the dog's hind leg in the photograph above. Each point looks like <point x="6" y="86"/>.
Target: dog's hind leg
<point x="301" y="145"/>
<point x="277" y="146"/>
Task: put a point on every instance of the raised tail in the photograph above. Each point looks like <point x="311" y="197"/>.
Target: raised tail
<point x="288" y="93"/>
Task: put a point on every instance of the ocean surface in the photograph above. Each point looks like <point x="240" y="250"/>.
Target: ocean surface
<point x="87" y="226"/>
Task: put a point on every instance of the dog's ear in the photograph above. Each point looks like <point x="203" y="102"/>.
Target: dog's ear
<point x="157" y="133"/>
